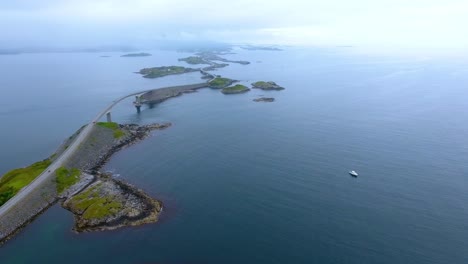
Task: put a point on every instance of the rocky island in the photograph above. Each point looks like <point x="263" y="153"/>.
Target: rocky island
<point x="267" y="86"/>
<point x="220" y="82"/>
<point x="236" y="89"/>
<point x="264" y="99"/>
<point x="157" y="72"/>
<point x="141" y="54"/>
<point x="194" y="60"/>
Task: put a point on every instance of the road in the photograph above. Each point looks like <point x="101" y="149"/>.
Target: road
<point x="50" y="171"/>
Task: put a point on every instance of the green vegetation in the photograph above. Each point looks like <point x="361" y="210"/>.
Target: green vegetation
<point x="219" y="82"/>
<point x="66" y="178"/>
<point x="194" y="60"/>
<point x="235" y="89"/>
<point x="111" y="125"/>
<point x="13" y="181"/>
<point x="267" y="85"/>
<point x="93" y="205"/>
<point x="141" y="54"/>
<point x="118" y="133"/>
<point x="157" y="72"/>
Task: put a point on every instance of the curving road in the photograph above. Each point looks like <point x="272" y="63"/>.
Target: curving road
<point x="82" y="136"/>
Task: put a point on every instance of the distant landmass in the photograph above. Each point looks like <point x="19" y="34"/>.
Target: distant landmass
<point x="194" y="60"/>
<point x="156" y="72"/>
<point x="141" y="54"/>
<point x="253" y="47"/>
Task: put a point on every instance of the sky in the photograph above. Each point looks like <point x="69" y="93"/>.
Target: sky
<point x="398" y="23"/>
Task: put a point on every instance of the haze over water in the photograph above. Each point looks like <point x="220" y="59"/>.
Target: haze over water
<point x="246" y="182"/>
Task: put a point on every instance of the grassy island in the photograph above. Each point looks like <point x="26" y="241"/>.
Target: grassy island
<point x="235" y="89"/>
<point x="219" y="82"/>
<point x="157" y="72"/>
<point x="141" y="54"/>
<point x="194" y="60"/>
<point x="13" y="181"/>
<point x="267" y="86"/>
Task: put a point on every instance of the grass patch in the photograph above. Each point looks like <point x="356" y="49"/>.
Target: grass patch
<point x="118" y="133"/>
<point x="93" y="205"/>
<point x="102" y="207"/>
<point x="111" y="125"/>
<point x="66" y="178"/>
<point x="13" y="181"/>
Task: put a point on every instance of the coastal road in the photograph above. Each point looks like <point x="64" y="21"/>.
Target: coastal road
<point x="82" y="136"/>
<point x="50" y="171"/>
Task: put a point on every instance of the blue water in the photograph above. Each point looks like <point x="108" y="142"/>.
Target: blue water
<point x="246" y="182"/>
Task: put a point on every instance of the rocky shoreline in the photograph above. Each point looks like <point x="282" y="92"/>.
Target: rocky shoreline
<point x="108" y="204"/>
<point x="104" y="203"/>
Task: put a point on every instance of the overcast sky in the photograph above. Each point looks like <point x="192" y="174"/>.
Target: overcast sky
<point x="406" y="23"/>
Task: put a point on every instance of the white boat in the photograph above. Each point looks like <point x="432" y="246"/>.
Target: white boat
<point x="353" y="173"/>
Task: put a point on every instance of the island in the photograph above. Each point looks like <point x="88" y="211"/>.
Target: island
<point x="212" y="56"/>
<point x="220" y="82"/>
<point x="267" y="85"/>
<point x="194" y="60"/>
<point x="157" y="72"/>
<point x="264" y="99"/>
<point x="236" y="89"/>
<point x="141" y="54"/>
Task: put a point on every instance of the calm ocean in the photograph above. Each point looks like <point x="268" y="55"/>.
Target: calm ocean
<point x="246" y="182"/>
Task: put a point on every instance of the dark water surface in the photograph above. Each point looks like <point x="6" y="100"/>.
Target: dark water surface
<point x="246" y="182"/>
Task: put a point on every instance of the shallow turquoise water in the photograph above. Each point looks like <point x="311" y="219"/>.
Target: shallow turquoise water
<point x="246" y="182"/>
